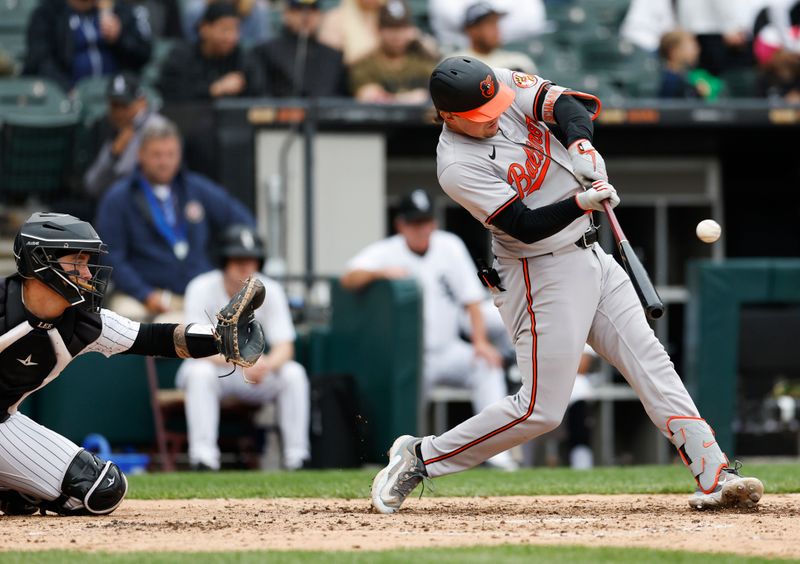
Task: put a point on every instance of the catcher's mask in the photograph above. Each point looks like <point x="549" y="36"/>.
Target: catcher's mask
<point x="40" y="246"/>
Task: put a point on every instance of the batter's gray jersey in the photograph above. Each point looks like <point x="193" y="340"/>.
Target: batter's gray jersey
<point x="524" y="161"/>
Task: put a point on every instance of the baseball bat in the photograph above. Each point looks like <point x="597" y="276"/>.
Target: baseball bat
<point x="651" y="302"/>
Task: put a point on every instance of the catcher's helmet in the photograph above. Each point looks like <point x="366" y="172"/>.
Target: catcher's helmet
<point x="44" y="239"/>
<point x="469" y="88"/>
<point x="241" y="241"/>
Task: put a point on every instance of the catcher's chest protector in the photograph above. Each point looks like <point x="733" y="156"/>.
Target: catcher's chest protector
<point x="29" y="347"/>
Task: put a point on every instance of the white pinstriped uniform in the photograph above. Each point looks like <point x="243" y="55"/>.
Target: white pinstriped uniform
<point x="33" y="458"/>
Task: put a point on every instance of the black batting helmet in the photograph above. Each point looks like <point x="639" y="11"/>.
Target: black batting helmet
<point x="241" y="241"/>
<point x="469" y="88"/>
<point x="47" y="237"/>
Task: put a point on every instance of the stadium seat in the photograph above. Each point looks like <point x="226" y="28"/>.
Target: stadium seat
<point x="14" y="44"/>
<point x="152" y="70"/>
<point x="630" y="68"/>
<point x="14" y="14"/>
<point x="36" y="139"/>
<point x="609" y="13"/>
<point x="740" y="83"/>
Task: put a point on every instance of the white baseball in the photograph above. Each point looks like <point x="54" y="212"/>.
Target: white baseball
<point x="708" y="230"/>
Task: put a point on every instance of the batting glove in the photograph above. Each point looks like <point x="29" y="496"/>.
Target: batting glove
<point x="592" y="199"/>
<point x="587" y="164"/>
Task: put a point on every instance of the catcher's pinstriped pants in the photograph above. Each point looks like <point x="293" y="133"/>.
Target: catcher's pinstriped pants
<point x="33" y="458"/>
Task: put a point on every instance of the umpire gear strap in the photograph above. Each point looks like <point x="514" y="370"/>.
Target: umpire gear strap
<point x="695" y="441"/>
<point x="99" y="485"/>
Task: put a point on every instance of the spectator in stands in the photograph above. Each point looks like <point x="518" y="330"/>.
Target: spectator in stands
<point x="163" y="16"/>
<point x="254" y="16"/>
<point x="399" y="69"/>
<point x="72" y="39"/>
<point x="296" y="63"/>
<point x="777" y="49"/>
<point x="482" y="26"/>
<point x="441" y="264"/>
<point x="352" y="28"/>
<point x="213" y="67"/>
<point x="720" y="28"/>
<point x="158" y="224"/>
<point x="525" y="19"/>
<point x="679" y="52"/>
<point x="275" y="377"/>
<point x="129" y="114"/>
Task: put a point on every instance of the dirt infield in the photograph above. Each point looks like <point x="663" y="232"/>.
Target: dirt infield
<point x="661" y="521"/>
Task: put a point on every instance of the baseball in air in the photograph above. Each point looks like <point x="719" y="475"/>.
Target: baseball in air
<point x="708" y="231"/>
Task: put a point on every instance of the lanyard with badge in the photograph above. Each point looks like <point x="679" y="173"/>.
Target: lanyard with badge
<point x="166" y="220"/>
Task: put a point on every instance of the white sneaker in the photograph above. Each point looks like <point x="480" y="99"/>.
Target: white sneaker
<point x="405" y="471"/>
<point x="503" y="461"/>
<point x="734" y="491"/>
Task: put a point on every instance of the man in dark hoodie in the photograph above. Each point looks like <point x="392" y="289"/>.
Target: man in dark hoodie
<point x="72" y="39"/>
<point x="296" y="64"/>
<point x="214" y="66"/>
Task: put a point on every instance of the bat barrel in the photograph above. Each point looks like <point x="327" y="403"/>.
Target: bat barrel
<point x="651" y="302"/>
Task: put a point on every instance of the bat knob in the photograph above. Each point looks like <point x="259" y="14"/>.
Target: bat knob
<point x="655" y="311"/>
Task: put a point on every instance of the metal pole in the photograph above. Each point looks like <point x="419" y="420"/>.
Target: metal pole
<point x="309" y="130"/>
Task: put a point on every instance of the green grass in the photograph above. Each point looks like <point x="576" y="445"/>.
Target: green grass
<point x="350" y="484"/>
<point x="490" y="555"/>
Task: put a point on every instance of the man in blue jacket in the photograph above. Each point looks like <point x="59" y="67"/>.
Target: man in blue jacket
<point x="158" y="224"/>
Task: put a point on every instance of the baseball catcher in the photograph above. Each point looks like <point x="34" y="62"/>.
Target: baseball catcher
<point x="50" y="312"/>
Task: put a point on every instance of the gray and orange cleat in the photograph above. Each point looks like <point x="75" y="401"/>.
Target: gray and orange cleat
<point x="405" y="471"/>
<point x="732" y="491"/>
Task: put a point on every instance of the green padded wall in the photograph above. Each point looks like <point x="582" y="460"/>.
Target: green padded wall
<point x="376" y="335"/>
<point x="109" y="396"/>
<point x="718" y="290"/>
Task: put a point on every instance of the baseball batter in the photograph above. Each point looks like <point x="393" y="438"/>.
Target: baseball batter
<point x="516" y="151"/>
<point x="49" y="314"/>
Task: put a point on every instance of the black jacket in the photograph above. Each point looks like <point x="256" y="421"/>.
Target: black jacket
<point x="50" y="44"/>
<point x="325" y="73"/>
<point x="187" y="74"/>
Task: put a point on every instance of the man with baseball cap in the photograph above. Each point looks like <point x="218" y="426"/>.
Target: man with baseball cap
<point x="397" y="71"/>
<point x="213" y="67"/>
<point x="441" y="263"/>
<point x="129" y="113"/>
<point x="482" y="27"/>
<point x="516" y="152"/>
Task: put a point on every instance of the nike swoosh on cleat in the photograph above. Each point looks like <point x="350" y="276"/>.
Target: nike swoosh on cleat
<point x="708" y="444"/>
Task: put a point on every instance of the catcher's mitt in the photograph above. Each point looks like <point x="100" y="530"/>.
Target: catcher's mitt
<point x="239" y="337"/>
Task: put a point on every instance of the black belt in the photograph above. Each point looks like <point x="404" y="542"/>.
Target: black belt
<point x="589" y="238"/>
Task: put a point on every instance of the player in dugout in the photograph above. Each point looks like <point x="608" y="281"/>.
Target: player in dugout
<point x="516" y="152"/>
<point x="50" y="313"/>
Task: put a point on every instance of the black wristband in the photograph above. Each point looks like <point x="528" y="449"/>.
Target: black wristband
<point x="158" y="339"/>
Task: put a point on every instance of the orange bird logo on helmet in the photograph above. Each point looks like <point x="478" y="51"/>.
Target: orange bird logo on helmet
<point x="487" y="87"/>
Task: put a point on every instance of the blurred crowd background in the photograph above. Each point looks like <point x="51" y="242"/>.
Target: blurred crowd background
<point x="168" y="122"/>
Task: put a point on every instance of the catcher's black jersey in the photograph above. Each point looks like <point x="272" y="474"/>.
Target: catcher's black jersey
<point x="33" y="352"/>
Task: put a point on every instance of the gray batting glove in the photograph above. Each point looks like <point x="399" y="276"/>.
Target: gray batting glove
<point x="592" y="199"/>
<point x="587" y="164"/>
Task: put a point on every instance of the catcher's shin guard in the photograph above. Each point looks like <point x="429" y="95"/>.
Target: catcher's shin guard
<point x="91" y="486"/>
<point x="695" y="441"/>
